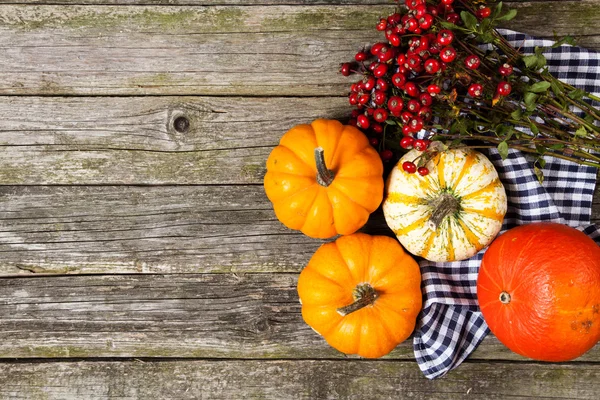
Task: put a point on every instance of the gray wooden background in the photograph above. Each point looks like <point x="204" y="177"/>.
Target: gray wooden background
<point x="139" y="261"/>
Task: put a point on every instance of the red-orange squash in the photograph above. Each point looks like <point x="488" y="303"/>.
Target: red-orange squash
<point x="539" y="291"/>
<point x="361" y="293"/>
<point x="324" y="179"/>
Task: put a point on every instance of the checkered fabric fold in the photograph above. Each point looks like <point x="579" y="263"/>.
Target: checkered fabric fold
<point x="451" y="326"/>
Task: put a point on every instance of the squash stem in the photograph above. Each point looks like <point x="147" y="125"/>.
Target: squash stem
<point x="505" y="297"/>
<point x="364" y="295"/>
<point x="446" y="204"/>
<point x="324" y="176"/>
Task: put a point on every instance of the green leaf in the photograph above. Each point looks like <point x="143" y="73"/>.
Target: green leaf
<point x="530" y="99"/>
<point x="534" y="129"/>
<point x="576" y="94"/>
<point x="469" y="20"/>
<point x="497" y="10"/>
<point x="516" y="114"/>
<point x="581" y="132"/>
<point x="539" y="87"/>
<point x="557" y="146"/>
<point x="589" y="118"/>
<point x="508" y="16"/>
<point x="541" y="61"/>
<point x="390" y="122"/>
<point x="503" y="149"/>
<point x="539" y="174"/>
<point x="556" y="89"/>
<point x="447" y="25"/>
<point x="530" y="61"/>
<point x="564" y="40"/>
<point x="541" y="162"/>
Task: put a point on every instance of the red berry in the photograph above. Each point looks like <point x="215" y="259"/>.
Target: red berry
<point x="394" y="40"/>
<point x="380" y="115"/>
<point x="406" y="131"/>
<point x="373" y="65"/>
<point x="433" y="89"/>
<point x="353" y="99"/>
<point x="421" y="144"/>
<point x="422" y="171"/>
<point x="363" y="99"/>
<point x="432" y="10"/>
<point x="377" y="128"/>
<point x="386" y="155"/>
<point x="425" y="99"/>
<point x="380" y="70"/>
<point x="374" y="141"/>
<point x="368" y="83"/>
<point x="435" y="48"/>
<point x="361" y="56"/>
<point x="426" y="21"/>
<point x="414" y="61"/>
<point x="406" y="116"/>
<point x="475" y="90"/>
<point x="505" y="70"/>
<point x="362" y="121"/>
<point x="425" y="113"/>
<point x="453" y="18"/>
<point x="447" y="2"/>
<point x="472" y="62"/>
<point x="483" y="12"/>
<point x="382" y="84"/>
<point x="409" y="166"/>
<point x="448" y="54"/>
<point x="377" y="47"/>
<point x="504" y="88"/>
<point x="412" y="4"/>
<point x="355" y="113"/>
<point x="420" y="10"/>
<point x="345" y="69"/>
<point x="395" y="104"/>
<point x="412" y="25"/>
<point x="385" y="54"/>
<point x="394" y="19"/>
<point x="413" y="106"/>
<point x="416" y="124"/>
<point x="406" y="142"/>
<point x="379" y="97"/>
<point x="411" y="89"/>
<point x="401" y="59"/>
<point x="445" y="37"/>
<point x="432" y="66"/>
<point x="382" y="24"/>
<point x="398" y="80"/>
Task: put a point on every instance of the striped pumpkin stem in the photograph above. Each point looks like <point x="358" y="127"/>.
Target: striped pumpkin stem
<point x="446" y="204"/>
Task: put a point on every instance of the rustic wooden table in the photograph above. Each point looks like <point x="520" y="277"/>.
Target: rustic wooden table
<point x="139" y="254"/>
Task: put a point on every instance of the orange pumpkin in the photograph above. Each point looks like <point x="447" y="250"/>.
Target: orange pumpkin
<point x="324" y="179"/>
<point x="539" y="291"/>
<point x="361" y="293"/>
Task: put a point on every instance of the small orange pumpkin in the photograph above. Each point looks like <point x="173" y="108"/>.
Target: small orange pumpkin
<point x="539" y="291"/>
<point x="324" y="179"/>
<point x="361" y="293"/>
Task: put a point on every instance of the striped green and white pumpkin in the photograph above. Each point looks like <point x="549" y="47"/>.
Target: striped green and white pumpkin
<point x="449" y="214"/>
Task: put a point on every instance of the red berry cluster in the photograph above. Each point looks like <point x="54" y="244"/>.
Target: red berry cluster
<point x="405" y="77"/>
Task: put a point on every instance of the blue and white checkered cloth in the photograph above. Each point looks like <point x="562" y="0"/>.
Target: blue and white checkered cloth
<point x="450" y="327"/>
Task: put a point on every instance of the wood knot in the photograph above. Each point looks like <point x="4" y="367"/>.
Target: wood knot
<point x="181" y="124"/>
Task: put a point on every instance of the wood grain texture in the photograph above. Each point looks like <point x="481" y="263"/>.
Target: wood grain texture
<point x="97" y="140"/>
<point x="161" y="229"/>
<point x="296" y="380"/>
<point x="233" y="50"/>
<point x="243" y="316"/>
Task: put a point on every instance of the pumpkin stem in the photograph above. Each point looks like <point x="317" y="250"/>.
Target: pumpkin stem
<point x="364" y="295"/>
<point x="446" y="204"/>
<point x="324" y="176"/>
<point x="505" y="297"/>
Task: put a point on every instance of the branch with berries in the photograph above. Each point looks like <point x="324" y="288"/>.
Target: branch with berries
<point x="445" y="74"/>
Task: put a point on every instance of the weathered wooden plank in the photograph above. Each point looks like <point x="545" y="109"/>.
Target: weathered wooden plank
<point x="267" y="50"/>
<point x="187" y="316"/>
<point x="160" y="229"/>
<point x="97" y="140"/>
<point x="310" y="379"/>
<point x="183" y="229"/>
